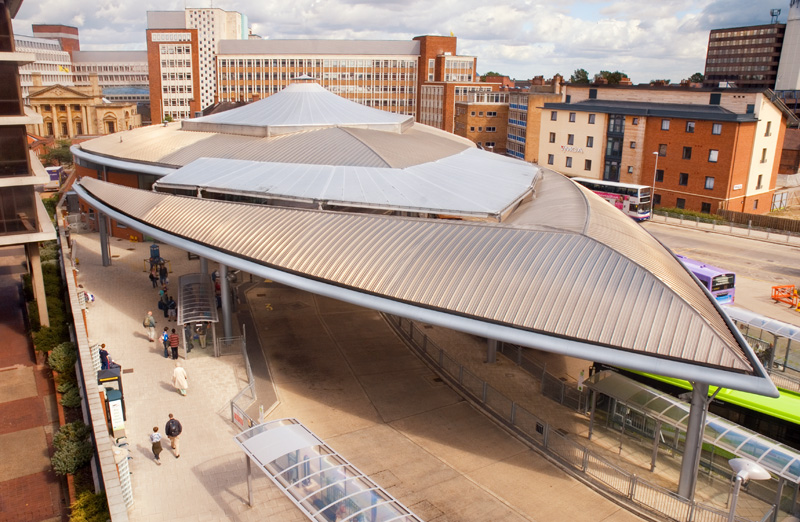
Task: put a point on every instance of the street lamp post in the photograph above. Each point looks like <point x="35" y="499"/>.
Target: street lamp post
<point x="653" y="191"/>
<point x="745" y="470"/>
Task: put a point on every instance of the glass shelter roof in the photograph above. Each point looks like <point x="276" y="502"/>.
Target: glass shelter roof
<point x="197" y="302"/>
<point x="779" y="459"/>
<point x="323" y="484"/>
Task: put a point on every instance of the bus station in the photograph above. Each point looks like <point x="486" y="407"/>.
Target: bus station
<point x="401" y="220"/>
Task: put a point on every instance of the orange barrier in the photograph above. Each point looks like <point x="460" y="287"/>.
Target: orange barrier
<point x="785" y="294"/>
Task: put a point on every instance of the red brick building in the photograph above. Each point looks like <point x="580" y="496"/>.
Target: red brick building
<point x="173" y="66"/>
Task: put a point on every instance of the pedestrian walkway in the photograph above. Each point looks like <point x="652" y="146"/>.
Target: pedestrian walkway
<point x="341" y="371"/>
<point x="29" y="489"/>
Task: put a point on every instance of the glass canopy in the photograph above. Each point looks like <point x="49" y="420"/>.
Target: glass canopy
<point x="197" y="302"/>
<point x="779" y="459"/>
<point x="324" y="485"/>
<point x="773" y="326"/>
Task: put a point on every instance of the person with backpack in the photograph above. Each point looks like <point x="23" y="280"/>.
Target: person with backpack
<point x="165" y="340"/>
<point x="172" y="309"/>
<point x="149" y="322"/>
<point x="173" y="429"/>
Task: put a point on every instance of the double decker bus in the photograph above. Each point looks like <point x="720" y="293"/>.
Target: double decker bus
<point x="633" y="200"/>
<point x="718" y="281"/>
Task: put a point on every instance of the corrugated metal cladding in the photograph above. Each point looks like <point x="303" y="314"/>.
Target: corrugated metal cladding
<point x="547" y="280"/>
<point x="300" y="106"/>
<point x="420" y="144"/>
<point x="457" y="184"/>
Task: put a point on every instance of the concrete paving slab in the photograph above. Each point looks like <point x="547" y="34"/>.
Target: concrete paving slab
<point x="17" y="382"/>
<point x="420" y="392"/>
<point x="22" y="453"/>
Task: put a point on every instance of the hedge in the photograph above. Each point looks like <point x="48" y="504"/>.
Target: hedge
<point x="72" y="448"/>
<point x="90" y="507"/>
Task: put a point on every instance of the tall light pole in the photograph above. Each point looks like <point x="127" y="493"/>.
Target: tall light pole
<point x="653" y="191"/>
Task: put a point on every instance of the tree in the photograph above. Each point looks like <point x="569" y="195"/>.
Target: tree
<point x="579" y="76"/>
<point x="696" y="78"/>
<point x="168" y="118"/>
<point x="613" y="78"/>
<point x="489" y="74"/>
<point x="59" y="154"/>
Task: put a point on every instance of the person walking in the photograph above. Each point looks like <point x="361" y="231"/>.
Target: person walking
<point x="172" y="308"/>
<point x="173" y="429"/>
<point x="174" y="341"/>
<point x="150" y="323"/>
<point x="155" y="440"/>
<point x="154" y="276"/>
<point x="163" y="274"/>
<point x="179" y="378"/>
<point x="165" y="341"/>
<point x="104" y="358"/>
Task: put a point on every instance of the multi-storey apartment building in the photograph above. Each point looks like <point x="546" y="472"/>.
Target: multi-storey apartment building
<point x="524" y="117"/>
<point x="52" y="62"/>
<point x="483" y="118"/>
<point x="701" y="149"/>
<point x="181" y="57"/>
<point x="23" y="218"/>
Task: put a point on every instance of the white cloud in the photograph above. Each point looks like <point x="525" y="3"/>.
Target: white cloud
<point x="522" y="38"/>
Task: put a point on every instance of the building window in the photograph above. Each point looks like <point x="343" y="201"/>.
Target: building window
<point x="552" y="137"/>
<point x="553" y="115"/>
<point x="755" y="204"/>
<point x="709" y="182"/>
<point x="551" y="159"/>
<point x="491" y="129"/>
<point x="480" y="113"/>
<point x="569" y="162"/>
<point x="635" y="121"/>
<point x="758" y="183"/>
<point x="656" y="199"/>
<point x="78" y="128"/>
<point x="769" y="127"/>
<point x="680" y="203"/>
<point x="64" y="131"/>
<point x="589" y="141"/>
<point x="713" y="155"/>
<point x="664" y="124"/>
<point x="633" y="144"/>
<point x="763" y="155"/>
<point x="110" y="127"/>
<point x="46" y="107"/>
<point x="572" y="117"/>
<point x="630" y="169"/>
<point x="705" y="208"/>
<point x="570" y="139"/>
<point x="489" y="144"/>
<point x="660" y="176"/>
<point x="689" y="126"/>
<point x="587" y="165"/>
<point x="683" y="179"/>
<point x="687" y="153"/>
<point x="716" y="129"/>
<point x="491" y="114"/>
<point x="662" y="149"/>
<point x="49" y="128"/>
<point x="591" y="119"/>
<point x="472" y="113"/>
<point x="472" y="129"/>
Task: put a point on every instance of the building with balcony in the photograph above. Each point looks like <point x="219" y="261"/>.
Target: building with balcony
<point x="702" y="149"/>
<point x="23" y="218"/>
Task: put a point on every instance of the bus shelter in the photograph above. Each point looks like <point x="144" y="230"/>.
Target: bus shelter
<point x="320" y="482"/>
<point x="197" y="313"/>
<point x="629" y="406"/>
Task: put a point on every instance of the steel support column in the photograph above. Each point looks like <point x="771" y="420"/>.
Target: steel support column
<point x="694" y="440"/>
<point x="227" y="323"/>
<point x="102" y="220"/>
<point x="203" y="265"/>
<point x="491" y="350"/>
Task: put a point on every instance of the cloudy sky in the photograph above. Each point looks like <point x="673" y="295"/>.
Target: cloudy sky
<point x="521" y="38"/>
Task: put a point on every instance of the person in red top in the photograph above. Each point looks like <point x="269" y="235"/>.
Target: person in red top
<point x="174" y="341"/>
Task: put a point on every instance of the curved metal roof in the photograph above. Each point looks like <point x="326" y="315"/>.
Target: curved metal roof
<point x="454" y="185"/>
<point x="594" y="279"/>
<point x="298" y="107"/>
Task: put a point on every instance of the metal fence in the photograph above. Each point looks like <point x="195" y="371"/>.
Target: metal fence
<point x="625" y="485"/>
<point x="719" y="224"/>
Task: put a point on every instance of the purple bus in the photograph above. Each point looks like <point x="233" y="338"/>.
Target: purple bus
<point x="719" y="282"/>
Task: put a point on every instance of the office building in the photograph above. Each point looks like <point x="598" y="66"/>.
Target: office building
<point x="51" y="61"/>
<point x="715" y="148"/>
<point x="483" y="119"/>
<point x="744" y="56"/>
<point x="122" y="75"/>
<point x="181" y="57"/>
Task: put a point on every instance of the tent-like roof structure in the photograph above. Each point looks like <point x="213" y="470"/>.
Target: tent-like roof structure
<point x="561" y="270"/>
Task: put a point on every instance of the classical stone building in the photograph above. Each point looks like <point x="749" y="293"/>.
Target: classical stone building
<point x="74" y="111"/>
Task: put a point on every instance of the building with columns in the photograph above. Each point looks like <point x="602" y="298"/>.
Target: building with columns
<point x="67" y="112"/>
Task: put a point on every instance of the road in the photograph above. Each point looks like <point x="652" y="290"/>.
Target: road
<point x="758" y="265"/>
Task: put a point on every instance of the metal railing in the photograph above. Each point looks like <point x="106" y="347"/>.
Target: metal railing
<point x="626" y="486"/>
<point x="718" y="224"/>
<point x="247" y="396"/>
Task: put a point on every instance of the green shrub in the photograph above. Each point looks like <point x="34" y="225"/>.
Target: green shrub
<point x="705" y="218"/>
<point x="33" y="316"/>
<point x="27" y="287"/>
<point x="90" y="507"/>
<point x="72" y="449"/>
<point x="48" y="337"/>
<point x="48" y="250"/>
<point x="64" y="385"/>
<point x="72" y="398"/>
<point x="63" y="357"/>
